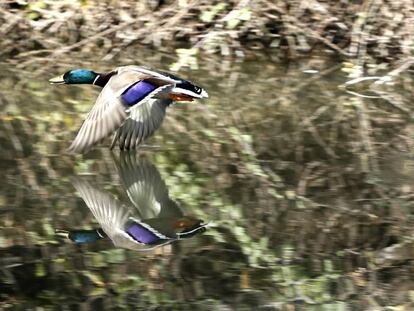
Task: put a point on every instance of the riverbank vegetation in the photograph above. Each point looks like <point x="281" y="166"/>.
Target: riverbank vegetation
<point x="371" y="33"/>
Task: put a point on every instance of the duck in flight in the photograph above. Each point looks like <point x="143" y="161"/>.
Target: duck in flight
<point x="152" y="220"/>
<point x="132" y="104"/>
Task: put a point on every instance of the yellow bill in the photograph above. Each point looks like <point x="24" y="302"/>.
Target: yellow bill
<point x="57" y="80"/>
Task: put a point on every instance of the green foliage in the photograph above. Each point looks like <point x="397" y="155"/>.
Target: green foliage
<point x="33" y="9"/>
<point x="208" y="16"/>
<point x="115" y="256"/>
<point x="237" y="16"/>
<point x="186" y="58"/>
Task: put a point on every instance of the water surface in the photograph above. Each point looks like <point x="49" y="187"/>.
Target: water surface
<point x="308" y="191"/>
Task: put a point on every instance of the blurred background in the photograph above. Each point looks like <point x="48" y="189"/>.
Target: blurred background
<point x="301" y="158"/>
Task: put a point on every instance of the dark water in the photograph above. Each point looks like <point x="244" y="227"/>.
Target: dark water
<point x="307" y="191"/>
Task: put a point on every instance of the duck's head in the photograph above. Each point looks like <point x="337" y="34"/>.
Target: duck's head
<point x="76" y="76"/>
<point x="189" y="226"/>
<point x="186" y="91"/>
<point x="82" y="236"/>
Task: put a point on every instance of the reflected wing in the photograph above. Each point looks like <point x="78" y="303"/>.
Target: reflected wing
<point x="143" y="120"/>
<point x="108" y="211"/>
<point x="145" y="188"/>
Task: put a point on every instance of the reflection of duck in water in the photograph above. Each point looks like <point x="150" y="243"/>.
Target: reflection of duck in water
<point x="153" y="220"/>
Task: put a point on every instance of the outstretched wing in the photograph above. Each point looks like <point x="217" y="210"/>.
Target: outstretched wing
<point x="145" y="188"/>
<point x="143" y="121"/>
<point x="106" y="115"/>
<point x="165" y="77"/>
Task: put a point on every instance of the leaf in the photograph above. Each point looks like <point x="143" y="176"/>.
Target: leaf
<point x="208" y="16"/>
<point x="40" y="269"/>
<point x="233" y="23"/>
<point x="245" y="14"/>
<point x="33" y="15"/>
<point x="186" y="58"/>
<point x="236" y="16"/>
<point x="115" y="256"/>
<point x="94" y="278"/>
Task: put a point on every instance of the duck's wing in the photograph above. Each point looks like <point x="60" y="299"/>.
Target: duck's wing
<point x="152" y="74"/>
<point x="108" y="211"/>
<point x="106" y="115"/>
<point x="109" y="111"/>
<point x="144" y="119"/>
<point x="158" y="77"/>
<point x="145" y="187"/>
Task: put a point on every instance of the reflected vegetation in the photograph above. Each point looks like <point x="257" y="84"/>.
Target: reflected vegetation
<point x="153" y="220"/>
<point x="310" y="190"/>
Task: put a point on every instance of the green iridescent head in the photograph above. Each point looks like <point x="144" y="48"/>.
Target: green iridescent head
<point x="75" y="76"/>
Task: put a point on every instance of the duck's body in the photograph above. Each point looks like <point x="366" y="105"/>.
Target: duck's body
<point x="152" y="220"/>
<point x="132" y="103"/>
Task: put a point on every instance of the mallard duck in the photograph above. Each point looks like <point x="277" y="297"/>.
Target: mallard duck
<point x="153" y="219"/>
<point x="132" y="103"/>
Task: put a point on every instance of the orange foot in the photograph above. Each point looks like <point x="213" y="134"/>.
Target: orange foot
<point x="180" y="97"/>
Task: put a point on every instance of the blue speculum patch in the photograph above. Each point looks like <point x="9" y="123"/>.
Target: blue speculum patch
<point x="142" y="234"/>
<point x="137" y="92"/>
